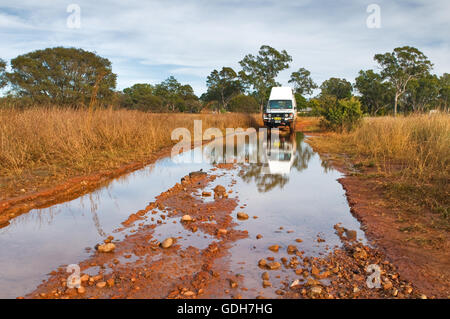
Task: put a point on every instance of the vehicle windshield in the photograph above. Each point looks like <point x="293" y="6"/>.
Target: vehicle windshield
<point x="280" y="104"/>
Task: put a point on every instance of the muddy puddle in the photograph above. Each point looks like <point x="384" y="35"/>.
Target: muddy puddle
<point x="291" y="199"/>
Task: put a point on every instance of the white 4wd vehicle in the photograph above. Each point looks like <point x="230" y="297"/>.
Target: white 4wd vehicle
<point x="281" y="110"/>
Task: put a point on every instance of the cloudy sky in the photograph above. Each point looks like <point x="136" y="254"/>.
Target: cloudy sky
<point x="147" y="41"/>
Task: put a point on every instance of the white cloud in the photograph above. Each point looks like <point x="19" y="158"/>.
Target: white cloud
<point x="148" y="41"/>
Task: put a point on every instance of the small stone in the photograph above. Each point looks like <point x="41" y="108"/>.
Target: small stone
<point x="265" y="275"/>
<point x="222" y="231"/>
<point x="316" y="290"/>
<point x="291" y="249"/>
<point x="206" y="194"/>
<point x="233" y="284"/>
<point x="186" y="218"/>
<point x="274" y="265"/>
<point x="351" y="234"/>
<point x="106" y="248"/>
<point x="267" y="283"/>
<point x="423" y="296"/>
<point x="167" y="243"/>
<point x="81" y="290"/>
<point x="259" y="236"/>
<point x="219" y="191"/>
<point x="387" y="285"/>
<point x="298" y="240"/>
<point x="84" y="278"/>
<point x="360" y="254"/>
<point x="242" y="216"/>
<point x="274" y="248"/>
<point x="108" y="240"/>
<point x="189" y="293"/>
<point x="110" y="282"/>
<point x="262" y="263"/>
<point x="101" y="284"/>
<point x="295" y="283"/>
<point x="314" y="271"/>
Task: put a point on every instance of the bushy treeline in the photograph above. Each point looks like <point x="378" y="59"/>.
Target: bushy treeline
<point x="75" y="77"/>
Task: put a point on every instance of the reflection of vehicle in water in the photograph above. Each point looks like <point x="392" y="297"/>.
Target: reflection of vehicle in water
<point x="293" y="153"/>
<point x="280" y="154"/>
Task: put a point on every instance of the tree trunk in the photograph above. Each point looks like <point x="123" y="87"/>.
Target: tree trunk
<point x="395" y="104"/>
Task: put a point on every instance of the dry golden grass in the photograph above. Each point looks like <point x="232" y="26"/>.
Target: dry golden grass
<point x="419" y="143"/>
<point x="413" y="151"/>
<point x="58" y="143"/>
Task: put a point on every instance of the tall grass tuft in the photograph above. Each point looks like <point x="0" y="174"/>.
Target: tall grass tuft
<point x="81" y="141"/>
<point x="413" y="152"/>
<point x="419" y="143"/>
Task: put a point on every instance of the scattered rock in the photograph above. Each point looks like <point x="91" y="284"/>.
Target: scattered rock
<point x="101" y="284"/>
<point x="267" y="283"/>
<point x="197" y="174"/>
<point x="206" y="194"/>
<point x="186" y="218"/>
<point x="222" y="231"/>
<point x="387" y="285"/>
<point x="291" y="249"/>
<point x="351" y="234"/>
<point x="108" y="240"/>
<point x="242" y="216"/>
<point x="220" y="191"/>
<point x="295" y="283"/>
<point x="106" y="248"/>
<point x="274" y="265"/>
<point x="274" y="248"/>
<point x="265" y="275"/>
<point x="81" y="290"/>
<point x="259" y="236"/>
<point x="189" y="293"/>
<point x="262" y="263"/>
<point x="110" y="282"/>
<point x="360" y="253"/>
<point x="167" y="243"/>
<point x="316" y="290"/>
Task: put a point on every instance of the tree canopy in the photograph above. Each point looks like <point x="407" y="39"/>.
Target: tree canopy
<point x="140" y="97"/>
<point x="223" y="86"/>
<point x="62" y="76"/>
<point x="169" y="95"/>
<point x="339" y="88"/>
<point x="3" y="80"/>
<point x="401" y="66"/>
<point x="375" y="93"/>
<point x="302" y="81"/>
<point x="259" y="72"/>
<point x="244" y="103"/>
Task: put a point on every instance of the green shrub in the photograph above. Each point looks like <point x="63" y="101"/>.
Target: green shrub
<point x="339" y="115"/>
<point x="244" y="103"/>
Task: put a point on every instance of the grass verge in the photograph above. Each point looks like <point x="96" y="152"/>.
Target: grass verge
<point x="410" y="156"/>
<point x="43" y="146"/>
